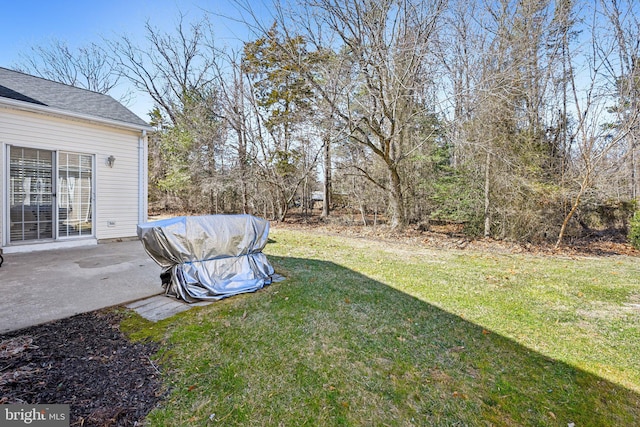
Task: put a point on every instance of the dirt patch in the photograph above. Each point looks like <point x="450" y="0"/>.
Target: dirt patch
<point x="86" y="362"/>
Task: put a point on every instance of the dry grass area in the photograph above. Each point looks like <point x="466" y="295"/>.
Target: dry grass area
<point x="450" y="236"/>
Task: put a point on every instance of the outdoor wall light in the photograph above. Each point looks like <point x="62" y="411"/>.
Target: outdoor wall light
<point x="111" y="161"/>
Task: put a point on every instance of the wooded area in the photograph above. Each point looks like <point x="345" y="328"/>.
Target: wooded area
<point x="516" y="118"/>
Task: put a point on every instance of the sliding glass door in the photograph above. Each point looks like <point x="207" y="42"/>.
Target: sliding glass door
<point x="30" y="194"/>
<point x="74" y="195"/>
<point x="47" y="190"/>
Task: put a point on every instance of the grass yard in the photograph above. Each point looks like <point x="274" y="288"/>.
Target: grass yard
<point x="374" y="333"/>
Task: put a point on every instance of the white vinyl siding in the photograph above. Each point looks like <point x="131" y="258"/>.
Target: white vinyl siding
<point x="116" y="189"/>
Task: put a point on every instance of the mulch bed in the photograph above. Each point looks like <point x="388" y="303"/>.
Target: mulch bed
<point x="86" y="362"/>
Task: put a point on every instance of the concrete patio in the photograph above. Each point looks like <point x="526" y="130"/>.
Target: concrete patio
<point x="39" y="287"/>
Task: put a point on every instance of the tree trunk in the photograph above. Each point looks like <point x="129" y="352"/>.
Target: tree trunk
<point x="305" y="197"/>
<point x="282" y="205"/>
<point x="632" y="170"/>
<point x="326" y="199"/>
<point x="283" y="210"/>
<point x="398" y="218"/>
<point x="363" y="213"/>
<point x="572" y="211"/>
<point x="242" y="161"/>
<point x="487" y="203"/>
<point x="574" y="207"/>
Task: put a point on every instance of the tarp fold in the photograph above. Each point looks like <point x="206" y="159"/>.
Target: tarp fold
<point x="209" y="257"/>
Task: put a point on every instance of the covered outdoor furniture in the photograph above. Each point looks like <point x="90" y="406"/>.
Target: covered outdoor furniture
<point x="209" y="257"/>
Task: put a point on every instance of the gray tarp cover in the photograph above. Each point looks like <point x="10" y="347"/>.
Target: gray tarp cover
<point x="209" y="257"/>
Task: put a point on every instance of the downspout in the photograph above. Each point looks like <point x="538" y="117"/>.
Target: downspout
<point x="142" y="178"/>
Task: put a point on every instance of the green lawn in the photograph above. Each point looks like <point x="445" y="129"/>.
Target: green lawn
<point x="374" y="334"/>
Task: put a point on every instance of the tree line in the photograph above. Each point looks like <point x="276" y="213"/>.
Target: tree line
<point x="517" y="119"/>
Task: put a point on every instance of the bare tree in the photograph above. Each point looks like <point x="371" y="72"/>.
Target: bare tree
<point x="178" y="69"/>
<point x="499" y="86"/>
<point x="172" y="67"/>
<point x="624" y="68"/>
<point x="383" y="49"/>
<point x="88" y="67"/>
<point x="234" y="111"/>
<point x="595" y="138"/>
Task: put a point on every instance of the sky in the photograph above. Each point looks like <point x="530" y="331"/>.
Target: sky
<point x="29" y="23"/>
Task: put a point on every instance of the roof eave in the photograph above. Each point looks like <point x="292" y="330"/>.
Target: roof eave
<point x="57" y="112"/>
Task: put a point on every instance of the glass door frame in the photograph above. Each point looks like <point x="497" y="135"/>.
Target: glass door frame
<point x="59" y="198"/>
<point x="31" y="197"/>
<point x="55" y="208"/>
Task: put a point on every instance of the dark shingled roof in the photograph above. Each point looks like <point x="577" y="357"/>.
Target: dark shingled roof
<point x="42" y="92"/>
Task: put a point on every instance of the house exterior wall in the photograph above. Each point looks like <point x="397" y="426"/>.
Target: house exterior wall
<point x="117" y="190"/>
